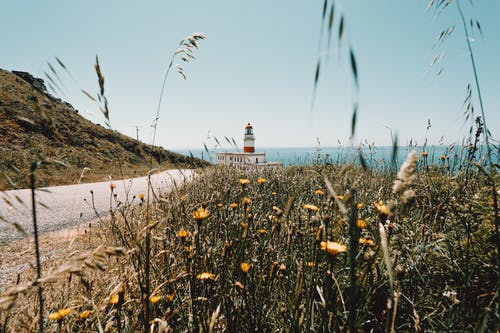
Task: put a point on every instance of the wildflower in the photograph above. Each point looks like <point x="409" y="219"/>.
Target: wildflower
<point x="182" y="234"/>
<point x="85" y="314"/>
<point x="244" y="181"/>
<point x="319" y="192"/>
<point x="60" y="314"/>
<point x="201" y="214"/>
<point x="424" y="154"/>
<point x="141" y="196"/>
<point x="261" y="180"/>
<point x="219" y="205"/>
<point x="340" y="197"/>
<point x="233" y="205"/>
<point x="112" y="186"/>
<point x="261" y="231"/>
<point x="114" y="299"/>
<point x="443" y="157"/>
<point x="310" y="264"/>
<point x="154" y="299"/>
<point x="205" y="276"/>
<point x="359" y="205"/>
<point x="244" y="225"/>
<point x="366" y="241"/>
<point x="381" y="208"/>
<point x="310" y="207"/>
<point x="361" y="224"/>
<point x="246" y="201"/>
<point x="273" y="193"/>
<point x="332" y="248"/>
<point x="245" y="267"/>
<point x="170" y="297"/>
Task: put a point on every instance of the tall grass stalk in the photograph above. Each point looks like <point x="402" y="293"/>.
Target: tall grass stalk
<point x="476" y="81"/>
<point x="34" y="166"/>
<point x="353" y="252"/>
<point x="147" y="262"/>
<point x="184" y="47"/>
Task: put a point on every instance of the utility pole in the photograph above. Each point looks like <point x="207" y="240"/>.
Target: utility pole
<point x="136" y="131"/>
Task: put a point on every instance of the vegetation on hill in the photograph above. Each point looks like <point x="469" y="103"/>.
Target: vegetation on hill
<point x="35" y="125"/>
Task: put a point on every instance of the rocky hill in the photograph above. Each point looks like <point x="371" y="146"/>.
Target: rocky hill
<point x="36" y="126"/>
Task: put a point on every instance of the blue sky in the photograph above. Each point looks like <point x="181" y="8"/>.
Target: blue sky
<point x="257" y="65"/>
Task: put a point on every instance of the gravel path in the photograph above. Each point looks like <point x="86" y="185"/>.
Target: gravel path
<point x="61" y="207"/>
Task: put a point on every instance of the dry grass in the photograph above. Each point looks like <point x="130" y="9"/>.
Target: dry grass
<point x="224" y="254"/>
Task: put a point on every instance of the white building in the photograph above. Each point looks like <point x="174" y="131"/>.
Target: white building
<point x="247" y="158"/>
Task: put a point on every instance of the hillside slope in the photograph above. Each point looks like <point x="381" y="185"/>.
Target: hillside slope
<point x="34" y="125"/>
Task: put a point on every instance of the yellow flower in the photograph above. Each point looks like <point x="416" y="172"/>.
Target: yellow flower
<point x="310" y="207"/>
<point x="112" y="186"/>
<point x="424" y="154"/>
<point x="85" y="314"/>
<point x="244" y="225"/>
<point x="381" y="208"/>
<point x="366" y="241"/>
<point x="154" y="299"/>
<point x="359" y="205"/>
<point x="261" y="231"/>
<point x="114" y="299"/>
<point x="244" y="181"/>
<point x="340" y="197"/>
<point x="182" y="234"/>
<point x="319" y="192"/>
<point x="245" y="267"/>
<point x="246" y="201"/>
<point x="205" y="276"/>
<point x="361" y="224"/>
<point x="261" y="180"/>
<point x="60" y="314"/>
<point x="332" y="247"/>
<point x="274" y="193"/>
<point x="170" y="297"/>
<point x="201" y="214"/>
<point x="443" y="157"/>
<point x="310" y="264"/>
<point x="233" y="205"/>
<point x="219" y="205"/>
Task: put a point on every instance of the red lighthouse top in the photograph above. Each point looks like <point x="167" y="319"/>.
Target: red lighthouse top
<point x="248" y="126"/>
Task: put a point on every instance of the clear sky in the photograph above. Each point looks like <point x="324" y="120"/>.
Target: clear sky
<point x="257" y="65"/>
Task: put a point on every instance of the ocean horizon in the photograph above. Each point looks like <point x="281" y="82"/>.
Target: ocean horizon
<point x="374" y="156"/>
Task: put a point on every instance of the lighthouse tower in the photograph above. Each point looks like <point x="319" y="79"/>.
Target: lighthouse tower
<point x="249" y="140"/>
<point x="248" y="158"/>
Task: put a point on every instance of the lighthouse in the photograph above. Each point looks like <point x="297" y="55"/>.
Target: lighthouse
<point x="249" y="140"/>
<point x="248" y="158"/>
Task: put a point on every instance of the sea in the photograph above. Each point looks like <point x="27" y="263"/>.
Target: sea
<point x="376" y="157"/>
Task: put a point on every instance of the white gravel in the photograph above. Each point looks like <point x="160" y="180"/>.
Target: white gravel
<point x="60" y="207"/>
